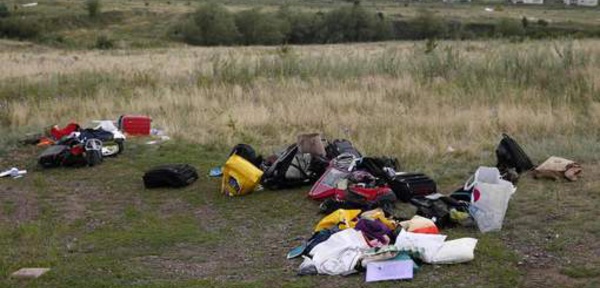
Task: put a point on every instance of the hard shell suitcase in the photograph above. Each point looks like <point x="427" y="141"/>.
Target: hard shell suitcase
<point x="171" y="175"/>
<point x="135" y="124"/>
<point x="408" y="185"/>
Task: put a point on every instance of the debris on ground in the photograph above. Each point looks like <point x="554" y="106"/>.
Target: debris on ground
<point x="29" y="273"/>
<point x="358" y="194"/>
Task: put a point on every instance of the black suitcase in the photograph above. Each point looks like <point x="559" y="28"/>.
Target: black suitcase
<point x="171" y="175"/>
<point x="53" y="156"/>
<point x="408" y="185"/>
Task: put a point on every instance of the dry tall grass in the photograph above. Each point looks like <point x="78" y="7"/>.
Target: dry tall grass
<point x="389" y="98"/>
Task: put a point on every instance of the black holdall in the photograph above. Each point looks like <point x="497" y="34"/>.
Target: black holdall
<point x="170" y="175"/>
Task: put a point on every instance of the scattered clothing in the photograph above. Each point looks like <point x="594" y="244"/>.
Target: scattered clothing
<point x="376" y="232"/>
<point x="419" y="224"/>
<point x="341" y="218"/>
<point x="340" y="254"/>
<point x="379" y="254"/>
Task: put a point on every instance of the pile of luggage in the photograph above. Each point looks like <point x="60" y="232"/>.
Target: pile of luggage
<point x="341" y="176"/>
<point x="359" y="193"/>
<point x="74" y="146"/>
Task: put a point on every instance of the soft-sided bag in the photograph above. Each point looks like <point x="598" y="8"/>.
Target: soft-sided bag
<point x="171" y="175"/>
<point x="311" y="144"/>
<point x="456" y="251"/>
<point x="489" y="199"/>
<point x="293" y="169"/>
<point x="510" y="155"/>
<point x="53" y="156"/>
<point x="240" y="177"/>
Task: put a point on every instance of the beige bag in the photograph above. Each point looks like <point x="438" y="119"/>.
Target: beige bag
<point x="556" y="167"/>
<point x="312" y="144"/>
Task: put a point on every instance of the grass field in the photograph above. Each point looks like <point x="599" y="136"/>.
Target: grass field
<point x="98" y="227"/>
<point x="439" y="106"/>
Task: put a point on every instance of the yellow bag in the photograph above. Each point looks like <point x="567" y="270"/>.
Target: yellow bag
<point x="343" y="218"/>
<point x="240" y="177"/>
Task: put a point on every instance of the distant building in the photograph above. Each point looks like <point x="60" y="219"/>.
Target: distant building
<point x="588" y="3"/>
<point x="532" y="2"/>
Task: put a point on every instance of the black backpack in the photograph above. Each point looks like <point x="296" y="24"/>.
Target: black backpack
<point x="511" y="156"/>
<point x="275" y="178"/>
<point x="171" y="175"/>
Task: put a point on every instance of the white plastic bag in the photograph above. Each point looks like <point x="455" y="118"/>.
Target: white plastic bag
<point x="456" y="251"/>
<point x="489" y="199"/>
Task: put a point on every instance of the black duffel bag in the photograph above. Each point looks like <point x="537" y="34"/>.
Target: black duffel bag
<point x="170" y="175"/>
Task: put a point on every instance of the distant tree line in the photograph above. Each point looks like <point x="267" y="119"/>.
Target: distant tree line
<point x="212" y="24"/>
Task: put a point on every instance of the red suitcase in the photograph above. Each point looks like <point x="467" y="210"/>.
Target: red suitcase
<point x="135" y="124"/>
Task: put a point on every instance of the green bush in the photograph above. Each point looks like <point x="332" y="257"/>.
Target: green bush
<point x="353" y="24"/>
<point x="256" y="27"/>
<point x="427" y="25"/>
<point x="19" y="28"/>
<point x="301" y="27"/>
<point x="93" y="7"/>
<point x="212" y="24"/>
<point x="509" y="28"/>
<point x="4" y="11"/>
<point x="104" y="43"/>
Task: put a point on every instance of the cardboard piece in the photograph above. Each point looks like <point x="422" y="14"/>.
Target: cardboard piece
<point x="389" y="270"/>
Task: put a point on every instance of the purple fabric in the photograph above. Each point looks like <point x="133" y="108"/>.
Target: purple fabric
<point x="374" y="229"/>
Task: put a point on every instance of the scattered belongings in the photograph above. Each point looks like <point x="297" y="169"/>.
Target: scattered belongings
<point x="556" y="168"/>
<point x="30" y="273"/>
<point x="357" y="235"/>
<point x="73" y="146"/>
<point x="170" y="175"/>
<point x="349" y="241"/>
<point x="32" y="4"/>
<point x="13" y="172"/>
